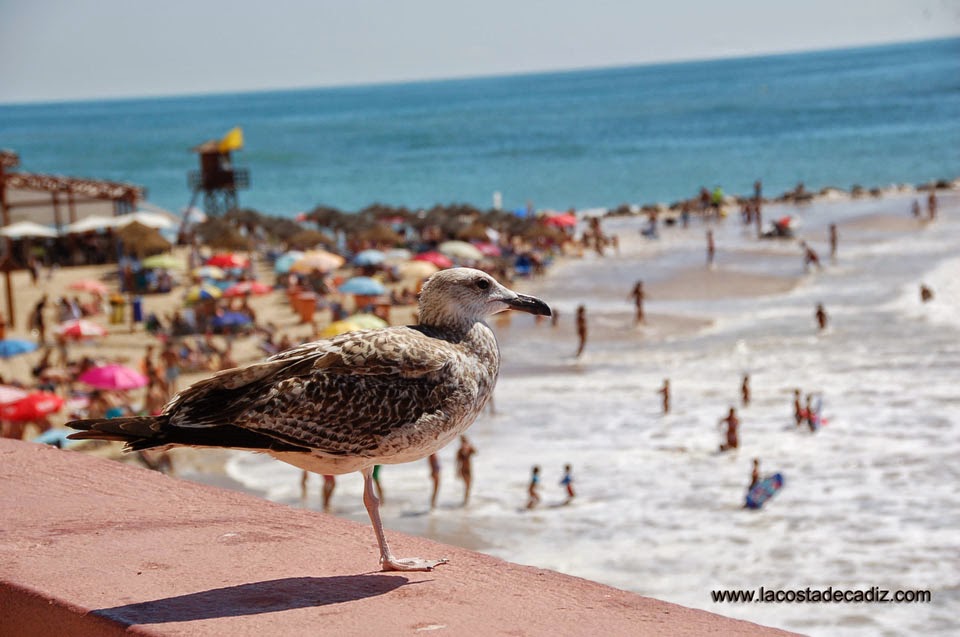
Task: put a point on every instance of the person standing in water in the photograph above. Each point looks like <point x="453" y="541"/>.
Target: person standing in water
<point x="532" y="491"/>
<point x="745" y="390"/>
<point x="581" y="328"/>
<point x="665" y="395"/>
<point x="567" y="483"/>
<point x="434" y="461"/>
<point x="755" y="474"/>
<point x="464" y="468"/>
<point x="834" y="239"/>
<point x="637" y="295"/>
<point x="821" y="317"/>
<point x="797" y="408"/>
<point x="733" y="424"/>
<point x="711" y="249"/>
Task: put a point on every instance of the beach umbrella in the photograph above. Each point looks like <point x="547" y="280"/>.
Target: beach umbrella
<point x="247" y="287"/>
<point x="162" y="262"/>
<point x="369" y="257"/>
<point x="113" y="377"/>
<point x="488" y="249"/>
<point x="397" y="255"/>
<point x="416" y="269"/>
<point x="317" y="260"/>
<point x="202" y="292"/>
<point x="308" y="239"/>
<point x="285" y="260"/>
<point x="56" y="436"/>
<point x="460" y="250"/>
<point x="155" y="220"/>
<point x="364" y="286"/>
<point x="142" y="240"/>
<point x="79" y="328"/>
<point x="11" y="394"/>
<point x="228" y="260"/>
<point x="25" y="229"/>
<point x="437" y="259"/>
<point x="565" y="220"/>
<point x="476" y="231"/>
<point x="367" y="321"/>
<point x="209" y="272"/>
<point x="339" y="327"/>
<point x="31" y="407"/>
<point x="89" y="285"/>
<point x="380" y="234"/>
<point x="92" y="223"/>
<point x="230" y="319"/>
<point x="10" y="347"/>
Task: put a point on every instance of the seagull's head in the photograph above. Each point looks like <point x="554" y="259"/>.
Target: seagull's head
<point x="466" y="295"/>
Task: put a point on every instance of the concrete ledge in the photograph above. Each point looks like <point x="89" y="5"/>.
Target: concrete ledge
<point x="93" y="547"/>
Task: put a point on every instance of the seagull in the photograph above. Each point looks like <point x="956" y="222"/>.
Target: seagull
<point x="363" y="398"/>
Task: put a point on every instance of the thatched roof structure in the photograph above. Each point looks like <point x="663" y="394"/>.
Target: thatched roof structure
<point x="221" y="235"/>
<point x="142" y="240"/>
<point x="380" y="234"/>
<point x="306" y="239"/>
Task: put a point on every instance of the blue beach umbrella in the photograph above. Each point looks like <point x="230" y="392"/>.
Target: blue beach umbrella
<point x="363" y="285"/>
<point x="284" y="261"/>
<point x="369" y="257"/>
<point x="230" y="319"/>
<point x="10" y="347"/>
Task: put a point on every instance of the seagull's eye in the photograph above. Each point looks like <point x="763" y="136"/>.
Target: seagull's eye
<point x="483" y="284"/>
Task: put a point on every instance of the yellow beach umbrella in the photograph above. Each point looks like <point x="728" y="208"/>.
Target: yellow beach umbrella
<point x="202" y="293"/>
<point x="339" y="327"/>
<point x="366" y="321"/>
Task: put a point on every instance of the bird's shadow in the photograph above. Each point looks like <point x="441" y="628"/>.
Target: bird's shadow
<point x="254" y="598"/>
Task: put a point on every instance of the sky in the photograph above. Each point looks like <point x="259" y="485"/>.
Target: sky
<point x="53" y="50"/>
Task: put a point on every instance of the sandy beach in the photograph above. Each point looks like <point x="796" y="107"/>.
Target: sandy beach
<point x="653" y="483"/>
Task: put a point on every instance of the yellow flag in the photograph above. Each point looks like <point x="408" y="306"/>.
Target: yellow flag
<point x="233" y="140"/>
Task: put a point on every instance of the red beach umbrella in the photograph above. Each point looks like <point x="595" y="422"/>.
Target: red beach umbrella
<point x="31" y="407"/>
<point x="565" y="220"/>
<point x="437" y="259"/>
<point x="228" y="260"/>
<point x="247" y="287"/>
<point x="79" y="328"/>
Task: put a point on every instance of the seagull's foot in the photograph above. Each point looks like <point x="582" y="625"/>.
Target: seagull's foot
<point x="410" y="564"/>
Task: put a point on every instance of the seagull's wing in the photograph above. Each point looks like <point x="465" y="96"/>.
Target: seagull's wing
<point x="340" y="396"/>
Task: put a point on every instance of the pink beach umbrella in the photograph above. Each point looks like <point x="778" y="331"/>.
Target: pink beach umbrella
<point x="488" y="249"/>
<point x="437" y="259"/>
<point x="79" y="328"/>
<point x="113" y="377"/>
<point x="89" y="285"/>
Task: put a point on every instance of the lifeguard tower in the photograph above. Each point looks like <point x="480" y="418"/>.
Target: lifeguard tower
<point x="217" y="180"/>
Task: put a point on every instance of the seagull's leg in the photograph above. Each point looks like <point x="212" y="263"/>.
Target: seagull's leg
<point x="387" y="561"/>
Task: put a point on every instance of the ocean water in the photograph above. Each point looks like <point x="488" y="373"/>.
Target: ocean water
<point x="870" y="499"/>
<point x="872" y="116"/>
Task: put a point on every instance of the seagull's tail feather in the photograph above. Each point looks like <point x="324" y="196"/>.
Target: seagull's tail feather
<point x="139" y="432"/>
<point x="147" y="432"/>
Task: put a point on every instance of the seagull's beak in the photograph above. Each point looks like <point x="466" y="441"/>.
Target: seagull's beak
<point x="528" y="304"/>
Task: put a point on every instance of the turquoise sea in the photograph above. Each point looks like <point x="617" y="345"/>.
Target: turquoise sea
<point x="870" y="116"/>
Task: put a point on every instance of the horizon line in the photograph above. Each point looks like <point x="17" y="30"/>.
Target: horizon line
<point x="462" y="78"/>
